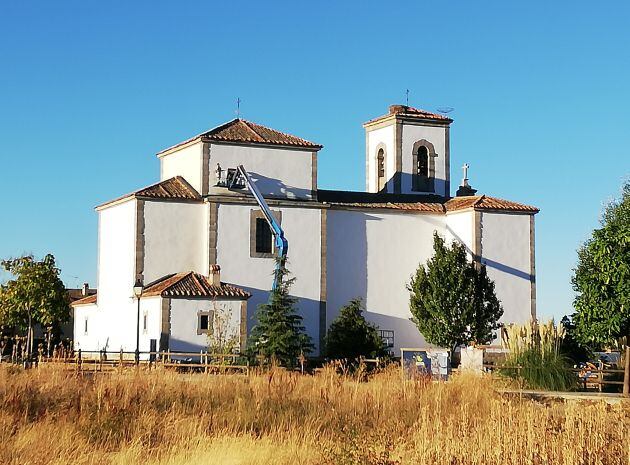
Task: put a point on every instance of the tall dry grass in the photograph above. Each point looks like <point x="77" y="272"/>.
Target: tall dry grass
<point x="48" y="416"/>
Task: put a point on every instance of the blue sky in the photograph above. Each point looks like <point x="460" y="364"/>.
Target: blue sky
<point x="90" y="91"/>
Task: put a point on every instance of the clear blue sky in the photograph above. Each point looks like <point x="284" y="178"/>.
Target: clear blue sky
<point x="90" y="91"/>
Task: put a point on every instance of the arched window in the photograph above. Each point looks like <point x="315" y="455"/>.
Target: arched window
<point x="380" y="166"/>
<point x="423" y="170"/>
<point x="422" y="164"/>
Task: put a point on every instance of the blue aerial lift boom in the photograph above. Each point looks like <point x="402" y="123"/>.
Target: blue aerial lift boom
<point x="282" y="245"/>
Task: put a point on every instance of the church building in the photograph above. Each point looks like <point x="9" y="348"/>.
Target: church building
<point x="198" y="247"/>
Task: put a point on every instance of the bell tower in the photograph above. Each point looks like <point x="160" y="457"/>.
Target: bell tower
<point x="407" y="152"/>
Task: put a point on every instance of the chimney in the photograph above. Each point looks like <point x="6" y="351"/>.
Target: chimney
<point x="85" y="289"/>
<point x="215" y="275"/>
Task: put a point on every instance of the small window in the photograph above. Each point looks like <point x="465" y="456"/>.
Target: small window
<point x="144" y="323"/>
<point x="85" y="326"/>
<point x="380" y="162"/>
<point x="264" y="237"/>
<point x="204" y="322"/>
<point x="387" y="336"/>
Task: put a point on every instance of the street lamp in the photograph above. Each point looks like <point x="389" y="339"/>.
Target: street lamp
<point x="137" y="291"/>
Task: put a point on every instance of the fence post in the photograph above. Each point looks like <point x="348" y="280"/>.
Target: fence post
<point x="600" y="375"/>
<point x="626" y="373"/>
<point x="79" y="360"/>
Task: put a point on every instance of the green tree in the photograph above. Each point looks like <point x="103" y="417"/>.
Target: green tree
<point x="36" y="294"/>
<point x="602" y="279"/>
<point x="351" y="336"/>
<point x="279" y="336"/>
<point x="452" y="299"/>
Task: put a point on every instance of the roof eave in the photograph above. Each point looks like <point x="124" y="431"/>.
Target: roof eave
<point x="308" y="148"/>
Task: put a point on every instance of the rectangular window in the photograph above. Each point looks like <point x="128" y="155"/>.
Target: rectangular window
<point x="85" y="328"/>
<point x="204" y="322"/>
<point x="387" y="337"/>
<point x="144" y="323"/>
<point x="263" y="236"/>
<point x="261" y="244"/>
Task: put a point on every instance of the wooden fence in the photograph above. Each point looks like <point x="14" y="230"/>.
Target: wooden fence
<point x="103" y="361"/>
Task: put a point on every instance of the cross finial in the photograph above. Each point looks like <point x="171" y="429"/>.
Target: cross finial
<point x="238" y="107"/>
<point x="407" y="97"/>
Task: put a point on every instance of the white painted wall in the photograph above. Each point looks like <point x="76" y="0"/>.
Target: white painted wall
<point x="175" y="235"/>
<point x="278" y="172"/>
<point x="116" y="247"/>
<point x="373" y="254"/>
<point x="105" y="326"/>
<point x="437" y="136"/>
<point x="184" y="321"/>
<point x="385" y="136"/>
<point x="302" y="229"/>
<point x="83" y="340"/>
<point x="506" y="254"/>
<point x="186" y="162"/>
<point x="460" y="227"/>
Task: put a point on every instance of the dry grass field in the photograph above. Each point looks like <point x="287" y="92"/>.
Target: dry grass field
<point x="48" y="416"/>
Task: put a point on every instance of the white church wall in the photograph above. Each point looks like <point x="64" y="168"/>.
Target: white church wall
<point x="436" y="135"/>
<point x="385" y="136"/>
<point x="302" y="227"/>
<point x="505" y="250"/>
<point x="278" y="172"/>
<point x="116" y="249"/>
<point x="116" y="276"/>
<point x="175" y="235"/>
<point x="373" y="255"/>
<point x="184" y="322"/>
<point x="186" y="162"/>
<point x="460" y="228"/>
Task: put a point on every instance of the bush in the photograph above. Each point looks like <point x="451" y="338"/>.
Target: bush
<point x="351" y="336"/>
<point x="536" y="350"/>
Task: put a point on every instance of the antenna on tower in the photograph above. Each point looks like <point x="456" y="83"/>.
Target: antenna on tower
<point x="407" y="97"/>
<point x="238" y="107"/>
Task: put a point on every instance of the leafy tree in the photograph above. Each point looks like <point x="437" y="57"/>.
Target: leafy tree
<point x="452" y="299"/>
<point x="570" y="347"/>
<point x="279" y="335"/>
<point x="351" y="336"/>
<point x="602" y="278"/>
<point x="35" y="295"/>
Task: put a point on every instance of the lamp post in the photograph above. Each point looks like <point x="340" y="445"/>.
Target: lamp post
<point x="137" y="291"/>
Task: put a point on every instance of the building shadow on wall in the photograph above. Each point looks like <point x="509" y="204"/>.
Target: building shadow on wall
<point x="272" y="187"/>
<point x="492" y="263"/>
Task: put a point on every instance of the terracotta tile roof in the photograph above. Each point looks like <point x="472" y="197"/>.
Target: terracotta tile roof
<point x="483" y="202"/>
<point x="173" y="188"/>
<point x="91" y="299"/>
<point x="176" y="188"/>
<point x="240" y="130"/>
<point x="191" y="284"/>
<point x="410" y="206"/>
<point x="411" y="112"/>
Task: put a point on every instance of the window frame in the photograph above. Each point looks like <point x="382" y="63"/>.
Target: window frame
<point x="253" y="217"/>
<point x="420" y="182"/>
<point x="210" y="315"/>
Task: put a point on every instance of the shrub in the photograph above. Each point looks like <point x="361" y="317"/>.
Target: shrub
<point x="351" y="336"/>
